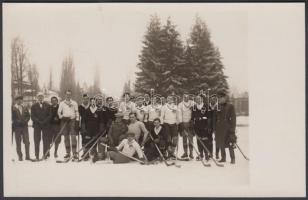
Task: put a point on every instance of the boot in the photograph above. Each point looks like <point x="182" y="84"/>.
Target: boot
<point x="217" y="156"/>
<point x="184" y="156"/>
<point x="55" y="154"/>
<point x="207" y="157"/>
<point x="199" y="158"/>
<point x="222" y="160"/>
<point x="86" y="158"/>
<point x="20" y="158"/>
<point x="172" y="157"/>
<point x="75" y="157"/>
<point x="94" y="158"/>
<point x="232" y="155"/>
<point x="28" y="157"/>
<point x="100" y="156"/>
<point x="191" y="155"/>
<point x="67" y="156"/>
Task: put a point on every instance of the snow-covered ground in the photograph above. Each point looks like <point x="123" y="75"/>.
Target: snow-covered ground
<point x="48" y="178"/>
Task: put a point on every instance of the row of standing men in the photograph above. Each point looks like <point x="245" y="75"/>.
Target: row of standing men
<point x="95" y="117"/>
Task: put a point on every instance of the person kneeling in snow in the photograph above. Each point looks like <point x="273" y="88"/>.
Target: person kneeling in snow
<point x="159" y="139"/>
<point x="127" y="147"/>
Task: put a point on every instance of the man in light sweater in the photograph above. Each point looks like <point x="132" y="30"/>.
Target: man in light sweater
<point x="185" y="128"/>
<point x="127" y="147"/>
<point x="169" y="119"/>
<point x="126" y="107"/>
<point x="69" y="115"/>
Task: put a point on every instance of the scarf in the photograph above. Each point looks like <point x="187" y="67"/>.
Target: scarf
<point x="157" y="130"/>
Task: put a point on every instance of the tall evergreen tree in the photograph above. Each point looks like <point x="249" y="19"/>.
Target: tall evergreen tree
<point x="50" y="84"/>
<point x="127" y="87"/>
<point x="203" y="66"/>
<point x="96" y="83"/>
<point x="79" y="93"/>
<point x="160" y="59"/>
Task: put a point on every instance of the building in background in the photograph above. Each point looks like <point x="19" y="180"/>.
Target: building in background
<point x="241" y="103"/>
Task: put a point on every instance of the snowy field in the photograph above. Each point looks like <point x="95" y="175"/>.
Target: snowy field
<point x="48" y="178"/>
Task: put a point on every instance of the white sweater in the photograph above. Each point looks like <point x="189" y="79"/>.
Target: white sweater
<point x="154" y="112"/>
<point x="185" y="111"/>
<point x="68" y="109"/>
<point x="127" y="108"/>
<point x="169" y="113"/>
<point x="130" y="148"/>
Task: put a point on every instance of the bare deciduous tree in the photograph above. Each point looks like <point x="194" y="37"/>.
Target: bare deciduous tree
<point x="19" y="65"/>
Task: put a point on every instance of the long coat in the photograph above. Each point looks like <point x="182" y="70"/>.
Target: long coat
<point x="224" y="124"/>
<point x="203" y="121"/>
<point x="40" y="115"/>
<point x="20" y="120"/>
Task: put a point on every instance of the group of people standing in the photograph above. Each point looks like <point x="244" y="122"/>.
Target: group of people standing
<point x="146" y="128"/>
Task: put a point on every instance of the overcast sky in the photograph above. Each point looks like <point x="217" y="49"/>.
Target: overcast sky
<point x="109" y="36"/>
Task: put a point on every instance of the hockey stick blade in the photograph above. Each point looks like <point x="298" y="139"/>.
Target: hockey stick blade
<point x="63" y="161"/>
<point x="206" y="164"/>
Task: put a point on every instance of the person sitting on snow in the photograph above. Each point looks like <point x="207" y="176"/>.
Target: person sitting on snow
<point x="127" y="147"/>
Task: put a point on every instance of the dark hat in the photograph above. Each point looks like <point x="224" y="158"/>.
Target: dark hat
<point x="19" y="98"/>
<point x="130" y="134"/>
<point x="85" y="95"/>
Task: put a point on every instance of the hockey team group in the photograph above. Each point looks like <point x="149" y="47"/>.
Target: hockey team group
<point x="145" y="130"/>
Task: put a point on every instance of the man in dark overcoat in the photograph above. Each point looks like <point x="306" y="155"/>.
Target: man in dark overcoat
<point x="224" y="126"/>
<point x="40" y="115"/>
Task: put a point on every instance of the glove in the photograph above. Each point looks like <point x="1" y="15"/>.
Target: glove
<point x="232" y="138"/>
<point x="156" y="141"/>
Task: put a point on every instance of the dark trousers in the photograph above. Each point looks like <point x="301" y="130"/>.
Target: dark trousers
<point x="21" y="133"/>
<point x="54" y="132"/>
<point x="41" y="132"/>
<point x="207" y="140"/>
<point x="172" y="136"/>
<point x="69" y="134"/>
<point x="116" y="157"/>
<point x="223" y="153"/>
<point x="187" y="138"/>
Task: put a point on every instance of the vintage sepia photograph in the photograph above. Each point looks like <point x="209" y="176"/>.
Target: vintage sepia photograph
<point x="109" y="99"/>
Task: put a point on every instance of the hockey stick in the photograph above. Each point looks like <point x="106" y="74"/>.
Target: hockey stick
<point x="58" y="135"/>
<point x="83" y="148"/>
<point x="133" y="158"/>
<point x="204" y="164"/>
<point x="211" y="156"/>
<point x="160" y="153"/>
<point x="241" y="152"/>
<point x="90" y="149"/>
